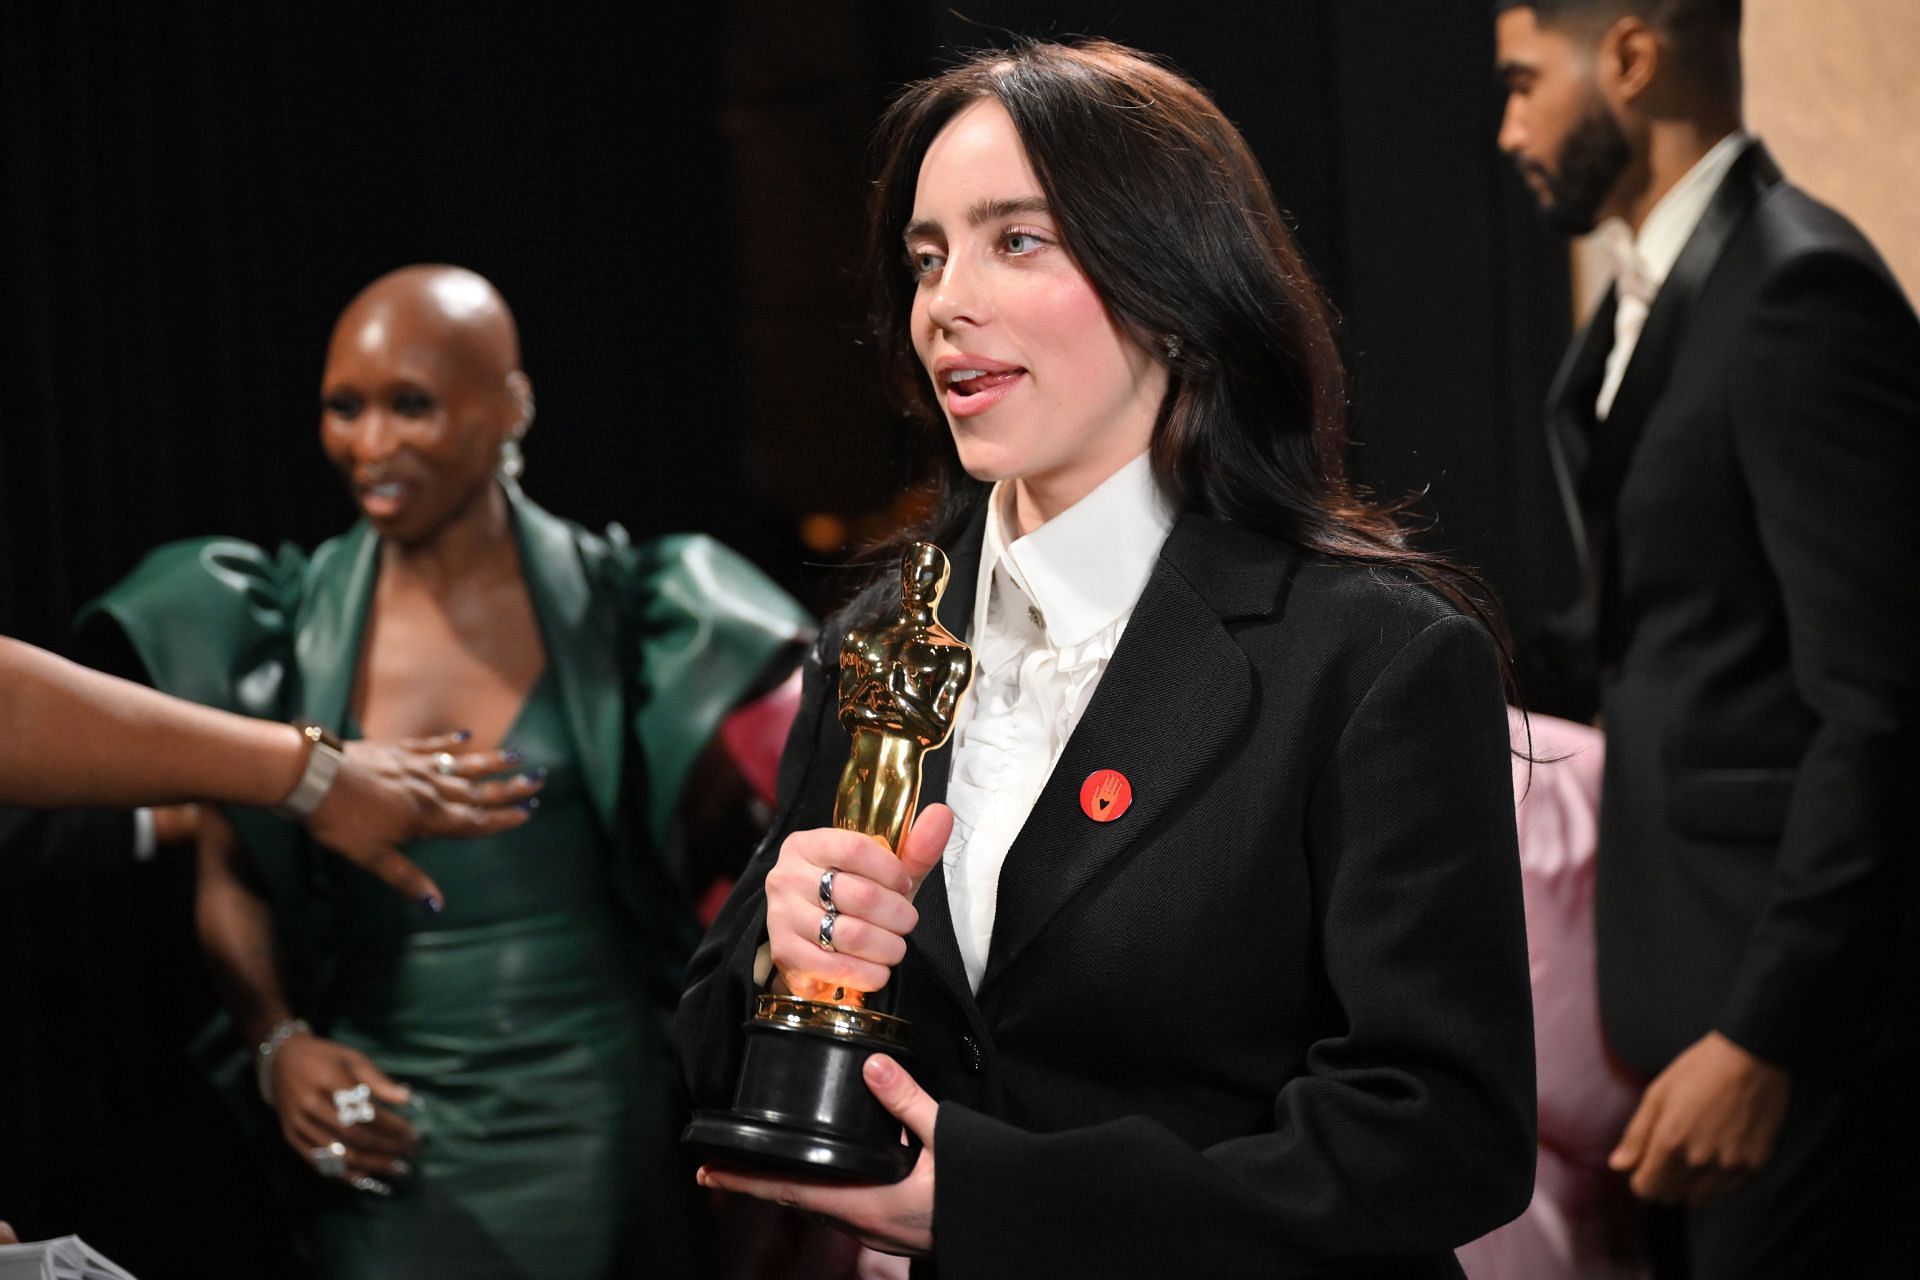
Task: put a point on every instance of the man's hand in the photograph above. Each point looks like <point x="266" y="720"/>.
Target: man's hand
<point x="1705" y="1124"/>
<point x="388" y="793"/>
<point x="892" y="1219"/>
<point x="7" y="1236"/>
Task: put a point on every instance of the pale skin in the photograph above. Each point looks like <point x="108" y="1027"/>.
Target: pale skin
<point x="997" y="283"/>
<point x="1077" y="400"/>
<point x="1710" y="1119"/>
<point x="421" y="389"/>
<point x="874" y="891"/>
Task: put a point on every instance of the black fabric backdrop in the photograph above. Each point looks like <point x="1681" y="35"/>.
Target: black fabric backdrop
<point x="671" y="201"/>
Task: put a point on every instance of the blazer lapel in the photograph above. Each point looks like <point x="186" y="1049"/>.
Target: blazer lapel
<point x="332" y="624"/>
<point x="583" y="647"/>
<point x="1570" y="420"/>
<point x="1646" y="374"/>
<point x="933" y="936"/>
<point x="1168" y="706"/>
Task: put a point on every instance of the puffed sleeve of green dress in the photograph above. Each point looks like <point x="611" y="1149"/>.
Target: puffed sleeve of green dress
<point x="712" y="630"/>
<point x="211" y="620"/>
<point x="655" y="643"/>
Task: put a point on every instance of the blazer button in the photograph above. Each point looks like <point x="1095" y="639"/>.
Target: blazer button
<point x="971" y="1056"/>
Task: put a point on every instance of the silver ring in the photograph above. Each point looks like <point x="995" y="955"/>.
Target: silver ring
<point x="445" y="764"/>
<point x="353" y="1106"/>
<point x="371" y="1185"/>
<point x="826" y="889"/>
<point x="826" y="930"/>
<point x="330" y="1161"/>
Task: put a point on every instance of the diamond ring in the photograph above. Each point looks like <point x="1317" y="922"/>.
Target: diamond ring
<point x="330" y="1161"/>
<point x="353" y="1106"/>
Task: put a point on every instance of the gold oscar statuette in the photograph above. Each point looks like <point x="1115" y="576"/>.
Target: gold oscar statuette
<point x="801" y="1103"/>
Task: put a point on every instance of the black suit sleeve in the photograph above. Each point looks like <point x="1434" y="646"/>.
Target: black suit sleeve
<point x="1412" y="1129"/>
<point x="41" y="849"/>
<point x="1826" y="421"/>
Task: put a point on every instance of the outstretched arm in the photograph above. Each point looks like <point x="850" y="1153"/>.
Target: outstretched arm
<point x="74" y="737"/>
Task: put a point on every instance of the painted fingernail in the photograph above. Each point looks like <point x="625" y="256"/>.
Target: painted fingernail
<point x="513" y="755"/>
<point x="535" y="775"/>
<point x="529" y="804"/>
<point x="463" y="735"/>
<point x="432" y="905"/>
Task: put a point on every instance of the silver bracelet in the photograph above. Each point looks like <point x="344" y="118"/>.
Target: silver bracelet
<point x="316" y="779"/>
<point x="283" y="1031"/>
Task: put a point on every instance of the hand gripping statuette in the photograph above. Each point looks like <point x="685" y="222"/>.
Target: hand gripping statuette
<point x="802" y="1104"/>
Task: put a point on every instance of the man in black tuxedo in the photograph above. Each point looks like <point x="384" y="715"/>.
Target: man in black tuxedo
<point x="1736" y="435"/>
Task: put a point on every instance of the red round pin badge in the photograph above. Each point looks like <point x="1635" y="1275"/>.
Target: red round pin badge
<point x="1105" y="795"/>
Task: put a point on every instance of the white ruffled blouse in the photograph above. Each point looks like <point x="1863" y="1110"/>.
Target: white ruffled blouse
<point x="1048" y="612"/>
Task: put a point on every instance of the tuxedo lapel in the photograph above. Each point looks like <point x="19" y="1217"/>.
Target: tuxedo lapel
<point x="933" y="936"/>
<point x="1653" y="355"/>
<point x="1168" y="706"/>
<point x="1570" y="420"/>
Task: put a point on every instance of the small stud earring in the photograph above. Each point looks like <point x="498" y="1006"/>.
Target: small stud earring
<point x="513" y="463"/>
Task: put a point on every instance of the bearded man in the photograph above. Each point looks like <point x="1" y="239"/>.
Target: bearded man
<point x="1736" y="435"/>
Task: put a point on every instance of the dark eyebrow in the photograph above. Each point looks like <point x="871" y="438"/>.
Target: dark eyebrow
<point x="983" y="211"/>
<point x="1508" y="68"/>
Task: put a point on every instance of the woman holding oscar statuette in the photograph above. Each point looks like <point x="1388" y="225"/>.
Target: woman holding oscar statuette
<point x="1209" y="932"/>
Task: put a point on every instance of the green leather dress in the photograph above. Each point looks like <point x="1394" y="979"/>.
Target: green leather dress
<point x="527" y="1018"/>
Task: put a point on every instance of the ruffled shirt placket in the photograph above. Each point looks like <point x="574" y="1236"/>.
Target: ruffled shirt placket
<point x="1038" y="658"/>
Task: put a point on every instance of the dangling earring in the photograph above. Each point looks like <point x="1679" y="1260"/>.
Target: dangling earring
<point x="513" y="463"/>
<point x="1170" y="343"/>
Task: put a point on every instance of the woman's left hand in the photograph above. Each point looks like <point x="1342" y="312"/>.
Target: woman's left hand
<point x="893" y="1219"/>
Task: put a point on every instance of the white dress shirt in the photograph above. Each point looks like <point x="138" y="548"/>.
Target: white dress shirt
<point x="1048" y="611"/>
<point x="1642" y="263"/>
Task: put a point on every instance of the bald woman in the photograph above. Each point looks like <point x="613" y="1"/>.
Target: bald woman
<point x="481" y="1091"/>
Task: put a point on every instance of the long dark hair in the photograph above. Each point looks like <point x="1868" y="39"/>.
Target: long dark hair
<point x="1164" y="208"/>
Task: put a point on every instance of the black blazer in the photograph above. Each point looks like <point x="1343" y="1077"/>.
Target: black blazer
<point x="1747" y="513"/>
<point x="1274" y="1020"/>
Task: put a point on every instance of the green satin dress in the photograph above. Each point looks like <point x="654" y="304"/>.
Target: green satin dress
<point x="541" y="1080"/>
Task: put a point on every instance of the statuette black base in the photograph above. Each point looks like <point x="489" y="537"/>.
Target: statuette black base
<point x="802" y="1105"/>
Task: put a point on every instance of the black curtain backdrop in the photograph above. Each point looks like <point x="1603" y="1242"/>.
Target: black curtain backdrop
<point x="672" y="201"/>
<point x="192" y="192"/>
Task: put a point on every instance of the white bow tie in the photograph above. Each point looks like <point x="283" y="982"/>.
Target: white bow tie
<point x="1631" y="278"/>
